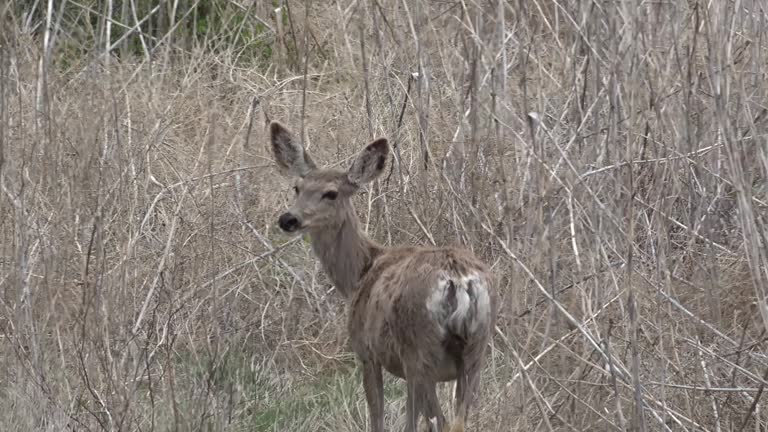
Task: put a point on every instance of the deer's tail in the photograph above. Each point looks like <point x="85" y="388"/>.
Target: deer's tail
<point x="472" y="312"/>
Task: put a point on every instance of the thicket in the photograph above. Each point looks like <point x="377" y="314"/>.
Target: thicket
<point x="607" y="158"/>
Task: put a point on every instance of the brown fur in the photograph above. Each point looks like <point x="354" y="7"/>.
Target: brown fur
<point x="423" y="314"/>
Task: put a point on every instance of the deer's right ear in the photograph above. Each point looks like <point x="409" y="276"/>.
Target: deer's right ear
<point x="289" y="153"/>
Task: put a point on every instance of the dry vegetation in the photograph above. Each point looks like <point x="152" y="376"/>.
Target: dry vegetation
<point x="608" y="158"/>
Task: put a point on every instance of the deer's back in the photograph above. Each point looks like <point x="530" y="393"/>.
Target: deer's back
<point x="426" y="307"/>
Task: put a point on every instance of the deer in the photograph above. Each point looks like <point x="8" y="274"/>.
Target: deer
<point x="423" y="314"/>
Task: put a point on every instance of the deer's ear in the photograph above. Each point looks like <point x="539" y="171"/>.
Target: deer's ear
<point x="289" y="153"/>
<point x="369" y="164"/>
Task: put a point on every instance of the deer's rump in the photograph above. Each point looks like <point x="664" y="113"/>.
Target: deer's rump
<point x="422" y="309"/>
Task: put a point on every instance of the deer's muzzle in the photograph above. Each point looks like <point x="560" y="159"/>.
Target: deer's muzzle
<point x="288" y="222"/>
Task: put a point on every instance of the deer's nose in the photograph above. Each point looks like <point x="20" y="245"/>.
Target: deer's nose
<point x="288" y="222"/>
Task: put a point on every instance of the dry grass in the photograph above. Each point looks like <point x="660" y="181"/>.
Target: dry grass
<point x="608" y="158"/>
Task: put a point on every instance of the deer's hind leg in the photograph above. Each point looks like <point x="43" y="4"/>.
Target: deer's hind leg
<point x="467" y="383"/>
<point x="413" y="402"/>
<point x="431" y="407"/>
<point x="422" y="400"/>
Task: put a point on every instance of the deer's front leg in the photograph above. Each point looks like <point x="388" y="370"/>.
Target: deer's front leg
<point x="373" y="384"/>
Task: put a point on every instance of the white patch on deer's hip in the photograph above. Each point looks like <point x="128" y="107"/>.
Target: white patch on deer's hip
<point x="460" y="305"/>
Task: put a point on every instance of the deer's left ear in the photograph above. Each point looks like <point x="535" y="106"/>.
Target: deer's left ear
<point x="289" y="153"/>
<point x="370" y="163"/>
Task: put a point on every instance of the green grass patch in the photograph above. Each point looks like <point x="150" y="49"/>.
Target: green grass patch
<point x="320" y="399"/>
<point x="307" y="400"/>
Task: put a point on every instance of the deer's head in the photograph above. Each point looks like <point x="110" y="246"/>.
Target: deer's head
<point x="322" y="195"/>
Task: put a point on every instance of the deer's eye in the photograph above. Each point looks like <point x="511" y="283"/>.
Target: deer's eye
<point x="296" y="189"/>
<point x="330" y="195"/>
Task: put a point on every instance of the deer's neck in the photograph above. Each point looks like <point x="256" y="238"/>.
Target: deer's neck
<point x="345" y="252"/>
